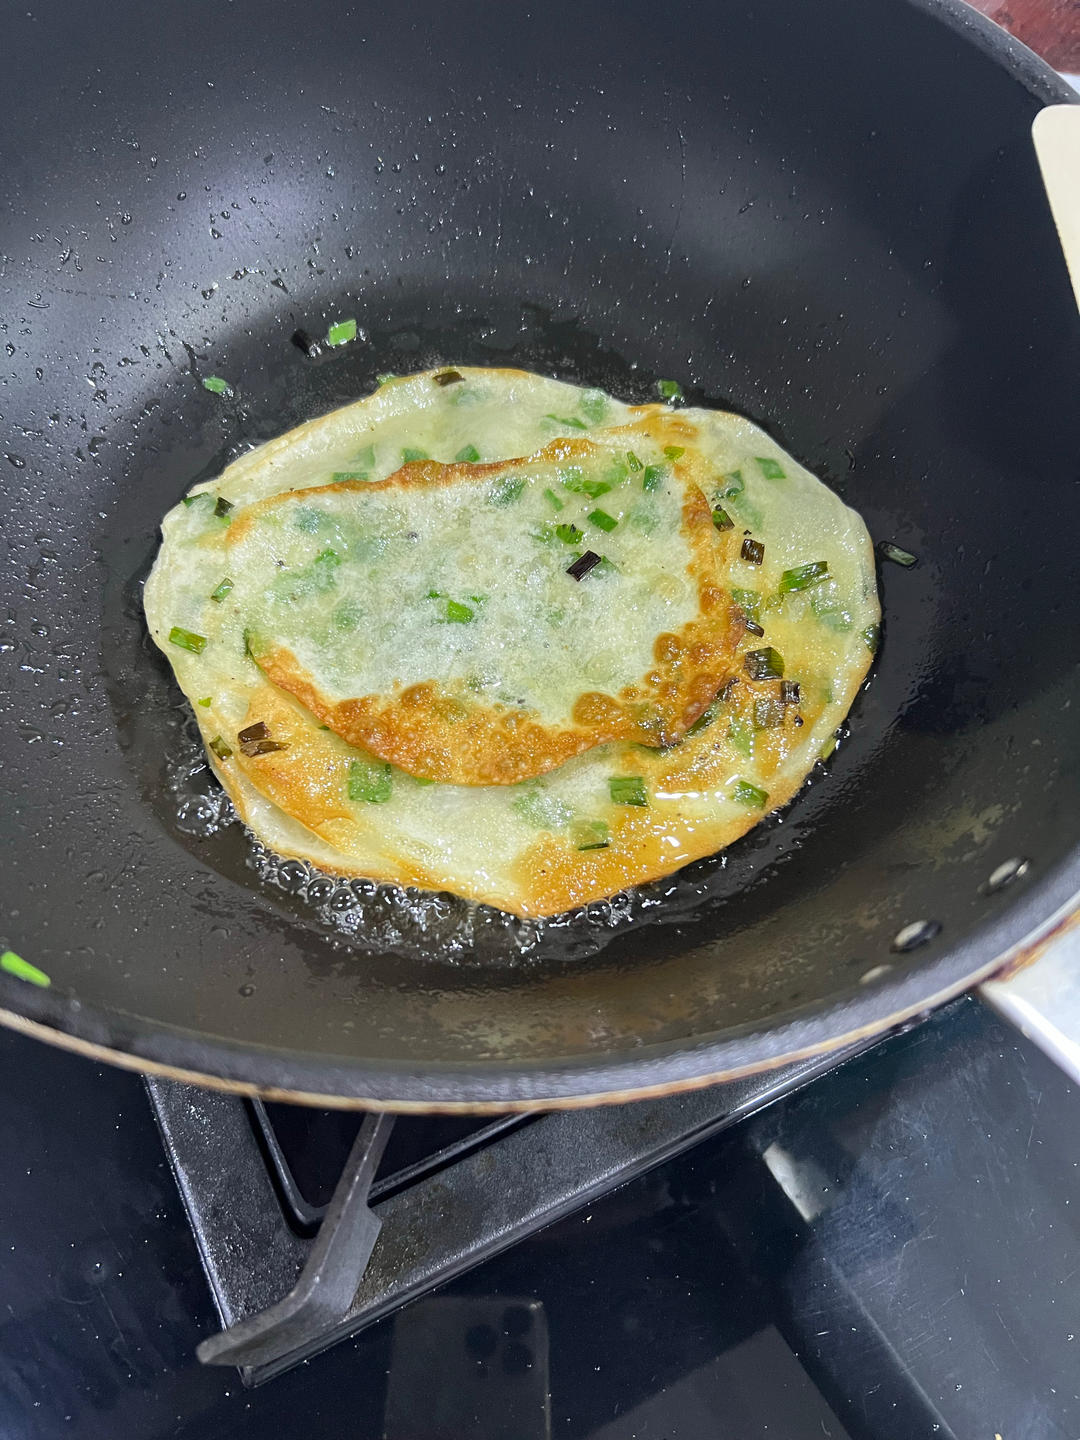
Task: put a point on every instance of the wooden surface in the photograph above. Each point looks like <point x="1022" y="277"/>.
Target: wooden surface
<point x="1049" y="27"/>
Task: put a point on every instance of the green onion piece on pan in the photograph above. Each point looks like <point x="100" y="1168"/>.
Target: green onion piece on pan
<point x="569" y="421"/>
<point x="385" y="378"/>
<point x="459" y="614"/>
<point x="556" y="503"/>
<point x="632" y="460"/>
<point x="653" y="477"/>
<point x="220" y="748"/>
<point x="628" y="790"/>
<point x="722" y="520"/>
<point x="221" y="590"/>
<point x="222" y="507"/>
<point x="674" y="451"/>
<point x="602" y="520"/>
<point x="23" y="970"/>
<point x="370" y="780"/>
<point x="339" y="475"/>
<point x="770" y="469"/>
<point x="467" y="455"/>
<point x="408" y="455"/>
<point x="888" y="551"/>
<point x="669" y="390"/>
<point x="187" y="640"/>
<point x="744" y="793"/>
<point x="568" y="534"/>
<point x="341" y="332"/>
<point x="448" y="377"/>
<point x="216" y="385"/>
<point x="205" y="702"/>
<point x="803" y="576"/>
<point x="872" y="636"/>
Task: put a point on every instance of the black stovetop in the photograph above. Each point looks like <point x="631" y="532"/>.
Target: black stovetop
<point x="890" y="1252"/>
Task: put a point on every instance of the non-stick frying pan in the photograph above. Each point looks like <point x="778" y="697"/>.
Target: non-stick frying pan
<point x="827" y="216"/>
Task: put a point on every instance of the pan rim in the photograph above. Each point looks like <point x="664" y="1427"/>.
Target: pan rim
<point x="141" y="1044"/>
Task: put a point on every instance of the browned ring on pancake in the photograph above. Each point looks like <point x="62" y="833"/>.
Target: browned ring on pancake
<point x="444" y="732"/>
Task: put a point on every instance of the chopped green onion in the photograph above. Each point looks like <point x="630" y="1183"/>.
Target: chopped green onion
<point x="706" y="718"/>
<point x="602" y="520"/>
<point x="592" y="835"/>
<point x="216" y="385"/>
<point x="23" y="970"/>
<point x="459" y="614"/>
<point x="187" y="640"/>
<point x="222" y="507"/>
<point x="408" y="455"/>
<point x="568" y="420"/>
<point x="670" y="391"/>
<point x="767" y="664"/>
<point x="220" y="748"/>
<point x="542" y="810"/>
<point x="593" y="405"/>
<point x="365" y="458"/>
<point x="828" y="610"/>
<point x="770" y="469"/>
<point x="385" y="378"/>
<point x="741" y="735"/>
<point x="584" y="563"/>
<point x="653" y="477"/>
<point x="888" y="551"/>
<point x="790" y="692"/>
<point x="221" y="590"/>
<point x="506" y="490"/>
<point x="370" y="780"/>
<point x="722" y="520"/>
<point x="632" y="460"/>
<point x="606" y="567"/>
<point x="803" y="576"/>
<point x="569" y="534"/>
<point x="467" y="455"/>
<point x="872" y="636"/>
<point x="341" y="332"/>
<point x="556" y="503"/>
<point x="436" y="595"/>
<point x="734" y="485"/>
<point x="750" y="795"/>
<point x="828" y="748"/>
<point x="674" y="451"/>
<point x="628" y="790"/>
<point x="768" y="713"/>
<point x="753" y="551"/>
<point x="573" y="479"/>
<point x="254" y="748"/>
<point x="448" y="377"/>
<point x="753" y="628"/>
<point x="205" y="702"/>
<point x="339" y="475"/>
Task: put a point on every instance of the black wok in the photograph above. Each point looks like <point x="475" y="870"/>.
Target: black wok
<point x="827" y="216"/>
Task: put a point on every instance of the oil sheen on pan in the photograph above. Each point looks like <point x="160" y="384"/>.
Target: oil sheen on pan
<point x="511" y="638"/>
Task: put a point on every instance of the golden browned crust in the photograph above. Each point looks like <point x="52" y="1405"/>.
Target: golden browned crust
<point x="446" y="733"/>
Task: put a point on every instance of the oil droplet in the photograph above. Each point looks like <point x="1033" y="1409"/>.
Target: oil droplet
<point x="246" y="990"/>
<point x="17" y="461"/>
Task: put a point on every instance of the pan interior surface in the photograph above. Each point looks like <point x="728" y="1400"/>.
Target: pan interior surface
<point x="763" y="206"/>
